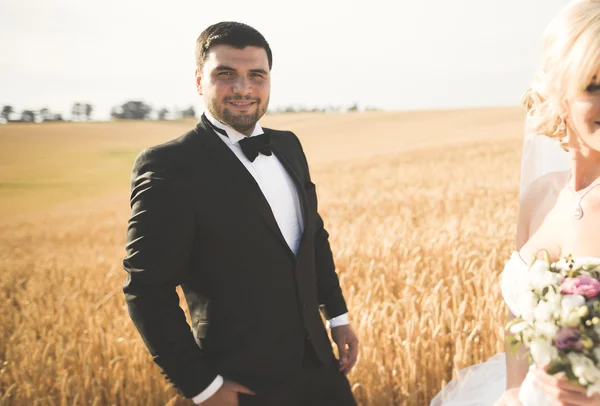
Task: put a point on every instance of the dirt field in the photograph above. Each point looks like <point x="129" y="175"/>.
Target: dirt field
<point x="421" y="209"/>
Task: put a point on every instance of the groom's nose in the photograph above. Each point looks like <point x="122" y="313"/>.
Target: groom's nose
<point x="242" y="86"/>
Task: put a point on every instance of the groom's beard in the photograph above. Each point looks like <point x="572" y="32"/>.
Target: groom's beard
<point x="241" y="122"/>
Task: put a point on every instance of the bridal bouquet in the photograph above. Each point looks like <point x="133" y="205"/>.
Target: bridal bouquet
<point x="559" y="320"/>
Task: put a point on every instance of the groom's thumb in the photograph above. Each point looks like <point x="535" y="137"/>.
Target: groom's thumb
<point x="241" y="389"/>
<point x="343" y="353"/>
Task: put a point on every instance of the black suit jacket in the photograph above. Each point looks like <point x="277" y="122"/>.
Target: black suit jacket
<point x="200" y="221"/>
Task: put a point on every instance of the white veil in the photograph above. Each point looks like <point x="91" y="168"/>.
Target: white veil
<point x="541" y="155"/>
<point x="483" y="384"/>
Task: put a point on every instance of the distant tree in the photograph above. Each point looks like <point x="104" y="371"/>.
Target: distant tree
<point x="28" y="116"/>
<point x="7" y="111"/>
<point x="81" y="111"/>
<point x="58" y="117"/>
<point x="131" y="110"/>
<point x="353" y="107"/>
<point x="88" y="111"/>
<point x="76" y="111"/>
<point x="46" y="115"/>
<point x="162" y="113"/>
<point x="189" y="112"/>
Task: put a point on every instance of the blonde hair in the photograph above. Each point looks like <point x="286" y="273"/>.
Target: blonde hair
<point x="570" y="63"/>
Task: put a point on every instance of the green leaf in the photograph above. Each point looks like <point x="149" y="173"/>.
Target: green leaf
<point x="513" y="344"/>
<point x="512" y="322"/>
<point x="571" y="376"/>
<point x="547" y="257"/>
<point x="556" y="367"/>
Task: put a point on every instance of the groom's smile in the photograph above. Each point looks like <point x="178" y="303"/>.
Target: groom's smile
<point x="242" y="105"/>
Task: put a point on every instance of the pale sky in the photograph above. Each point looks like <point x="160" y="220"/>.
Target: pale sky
<point x="388" y="54"/>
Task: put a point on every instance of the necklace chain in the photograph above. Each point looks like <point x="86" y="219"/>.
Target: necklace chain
<point x="578" y="213"/>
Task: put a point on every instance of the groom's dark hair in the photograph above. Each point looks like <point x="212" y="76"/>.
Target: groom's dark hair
<point x="230" y="33"/>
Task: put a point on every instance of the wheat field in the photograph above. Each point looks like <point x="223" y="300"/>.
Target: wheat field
<point x="421" y="210"/>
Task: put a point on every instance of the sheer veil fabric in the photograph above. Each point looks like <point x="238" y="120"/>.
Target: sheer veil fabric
<point x="541" y="155"/>
<point x="483" y="384"/>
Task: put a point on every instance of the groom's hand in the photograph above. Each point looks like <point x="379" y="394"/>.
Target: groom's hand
<point x="227" y="395"/>
<point x="347" y="345"/>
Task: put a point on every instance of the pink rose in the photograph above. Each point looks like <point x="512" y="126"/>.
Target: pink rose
<point x="583" y="285"/>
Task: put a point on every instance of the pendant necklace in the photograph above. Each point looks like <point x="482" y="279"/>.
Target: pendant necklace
<point x="578" y="212"/>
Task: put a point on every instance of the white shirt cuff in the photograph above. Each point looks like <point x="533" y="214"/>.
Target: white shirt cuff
<point x="209" y="391"/>
<point x="340" y="320"/>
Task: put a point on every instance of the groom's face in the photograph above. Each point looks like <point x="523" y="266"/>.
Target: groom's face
<point x="236" y="84"/>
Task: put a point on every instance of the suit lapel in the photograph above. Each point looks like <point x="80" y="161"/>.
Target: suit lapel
<point x="228" y="166"/>
<point x="286" y="157"/>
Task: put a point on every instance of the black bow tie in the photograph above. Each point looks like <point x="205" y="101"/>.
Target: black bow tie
<point x="259" y="144"/>
<point x="251" y="146"/>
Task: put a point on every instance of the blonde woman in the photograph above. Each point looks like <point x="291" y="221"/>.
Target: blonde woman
<point x="559" y="209"/>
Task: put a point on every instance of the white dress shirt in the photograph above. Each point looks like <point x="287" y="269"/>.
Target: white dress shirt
<point x="280" y="192"/>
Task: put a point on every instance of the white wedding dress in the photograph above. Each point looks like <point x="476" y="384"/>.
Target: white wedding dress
<point x="483" y="384"/>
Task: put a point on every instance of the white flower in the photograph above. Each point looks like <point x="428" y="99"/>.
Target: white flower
<point x="526" y="303"/>
<point x="578" y="263"/>
<point x="543" y="311"/>
<point x="517" y="328"/>
<point x="546" y="328"/>
<point x="584" y="368"/>
<point x="554" y="299"/>
<point x="571" y="302"/>
<point x="539" y="276"/>
<point x="528" y="335"/>
<point x="593" y="389"/>
<point x="561" y="265"/>
<point x="542" y="351"/>
<point x="539" y="265"/>
<point x="572" y="320"/>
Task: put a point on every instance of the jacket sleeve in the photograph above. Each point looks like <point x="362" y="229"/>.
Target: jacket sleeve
<point x="158" y="251"/>
<point x="329" y="291"/>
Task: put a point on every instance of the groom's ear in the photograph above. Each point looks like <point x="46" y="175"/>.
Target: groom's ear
<point x="198" y="75"/>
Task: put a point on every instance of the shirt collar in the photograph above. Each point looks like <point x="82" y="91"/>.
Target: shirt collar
<point x="234" y="135"/>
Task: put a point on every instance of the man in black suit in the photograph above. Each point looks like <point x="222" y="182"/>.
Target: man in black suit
<point x="228" y="212"/>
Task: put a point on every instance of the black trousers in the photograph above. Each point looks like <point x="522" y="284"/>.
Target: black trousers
<point x="317" y="385"/>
